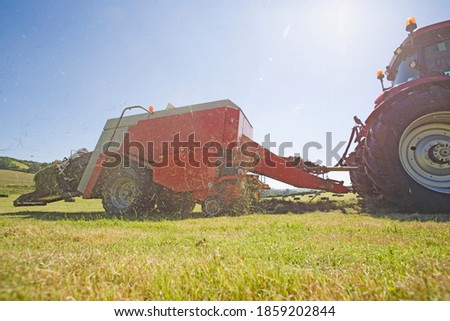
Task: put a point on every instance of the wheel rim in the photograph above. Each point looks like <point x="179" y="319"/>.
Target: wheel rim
<point x="124" y="193"/>
<point x="424" y="151"/>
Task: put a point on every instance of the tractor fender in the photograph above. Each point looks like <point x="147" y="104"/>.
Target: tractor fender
<point x="385" y="100"/>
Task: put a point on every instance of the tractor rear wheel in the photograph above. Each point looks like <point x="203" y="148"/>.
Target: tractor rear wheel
<point x="407" y="153"/>
<point x="128" y="191"/>
<point x="361" y="183"/>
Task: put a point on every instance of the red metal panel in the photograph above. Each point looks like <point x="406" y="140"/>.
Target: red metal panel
<point x="194" y="175"/>
<point x="174" y="145"/>
<point x="218" y="125"/>
<point x="230" y="126"/>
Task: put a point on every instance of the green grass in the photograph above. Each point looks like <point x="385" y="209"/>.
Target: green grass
<point x="14" y="178"/>
<point x="68" y="251"/>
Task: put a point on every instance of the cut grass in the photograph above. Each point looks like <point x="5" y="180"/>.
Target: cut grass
<point x="71" y="251"/>
<point x="15" y="178"/>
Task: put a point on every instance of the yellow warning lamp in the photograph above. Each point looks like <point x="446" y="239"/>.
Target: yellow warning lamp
<point x="380" y="77"/>
<point x="411" y="24"/>
<point x="151" y="109"/>
<point x="380" y="74"/>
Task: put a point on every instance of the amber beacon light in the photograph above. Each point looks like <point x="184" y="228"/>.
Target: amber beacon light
<point x="411" y="24"/>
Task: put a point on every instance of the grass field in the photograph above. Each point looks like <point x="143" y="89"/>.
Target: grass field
<point x="14" y="178"/>
<point x="74" y="251"/>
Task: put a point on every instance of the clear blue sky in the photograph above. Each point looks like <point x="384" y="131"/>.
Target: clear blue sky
<point x="298" y="69"/>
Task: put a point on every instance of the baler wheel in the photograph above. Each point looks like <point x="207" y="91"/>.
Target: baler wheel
<point x="128" y="191"/>
<point x="407" y="155"/>
<point x="174" y="203"/>
<point x="213" y="206"/>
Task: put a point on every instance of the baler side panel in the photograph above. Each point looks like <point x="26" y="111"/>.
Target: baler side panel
<point x="195" y="175"/>
<point x="186" y="167"/>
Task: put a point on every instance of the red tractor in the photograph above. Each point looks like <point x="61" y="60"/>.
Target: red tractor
<point x="403" y="150"/>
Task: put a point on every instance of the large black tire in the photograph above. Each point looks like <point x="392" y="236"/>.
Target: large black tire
<point x="407" y="151"/>
<point x="128" y="191"/>
<point x="361" y="183"/>
<point x="174" y="203"/>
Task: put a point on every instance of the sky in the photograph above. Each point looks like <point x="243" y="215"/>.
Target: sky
<point x="298" y="69"/>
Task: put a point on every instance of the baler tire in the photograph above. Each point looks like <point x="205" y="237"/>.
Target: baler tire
<point x="128" y="191"/>
<point x="213" y="206"/>
<point x="173" y="202"/>
<point x="385" y="161"/>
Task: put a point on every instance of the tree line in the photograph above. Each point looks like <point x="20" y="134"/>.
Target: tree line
<point x="15" y="165"/>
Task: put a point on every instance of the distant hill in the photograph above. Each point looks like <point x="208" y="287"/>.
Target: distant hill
<point x="15" y="178"/>
<point x="18" y="165"/>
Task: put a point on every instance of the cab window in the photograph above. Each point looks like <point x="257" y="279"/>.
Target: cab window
<point x="437" y="58"/>
<point x="405" y="72"/>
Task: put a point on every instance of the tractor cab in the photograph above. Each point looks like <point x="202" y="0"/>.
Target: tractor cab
<point x="425" y="53"/>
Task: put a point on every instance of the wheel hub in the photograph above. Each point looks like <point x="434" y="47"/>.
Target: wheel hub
<point x="424" y="151"/>
<point x="440" y="153"/>
<point x="124" y="193"/>
<point x="212" y="206"/>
